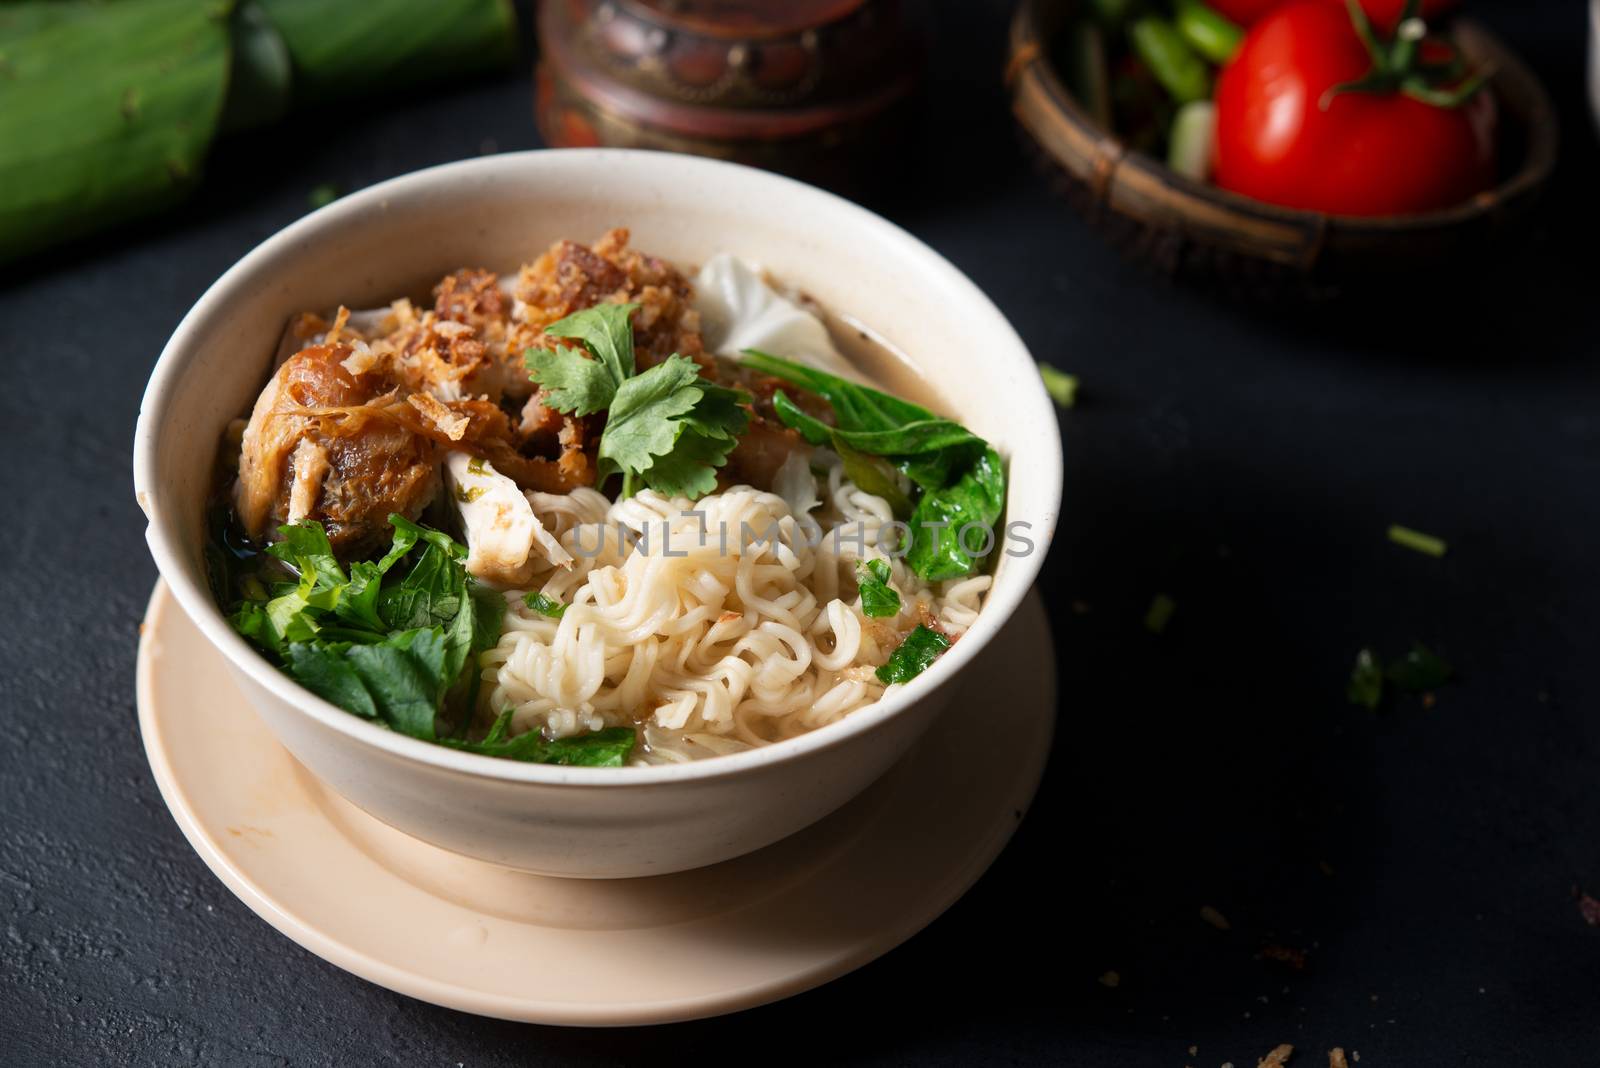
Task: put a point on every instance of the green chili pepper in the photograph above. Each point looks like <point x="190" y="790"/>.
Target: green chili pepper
<point x="1162" y="48"/>
<point x="1190" y="145"/>
<point x="1209" y="33"/>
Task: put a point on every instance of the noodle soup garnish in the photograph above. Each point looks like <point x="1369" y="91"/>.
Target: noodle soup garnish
<point x="584" y="517"/>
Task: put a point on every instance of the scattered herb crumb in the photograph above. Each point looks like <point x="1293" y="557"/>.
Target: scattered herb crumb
<point x="1160" y="613"/>
<point x="1366" y="681"/>
<point x="322" y="195"/>
<point x="544" y="605"/>
<point x="1419" y="671"/>
<point x="1277" y="1058"/>
<point x="878" y="598"/>
<point x="1294" y="958"/>
<point x="919" y="649"/>
<point x="1062" y="387"/>
<point x="1417" y="541"/>
<point x="1109" y="979"/>
<point x="1215" y="918"/>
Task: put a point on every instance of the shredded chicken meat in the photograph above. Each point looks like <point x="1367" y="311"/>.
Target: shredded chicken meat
<point x="357" y="423"/>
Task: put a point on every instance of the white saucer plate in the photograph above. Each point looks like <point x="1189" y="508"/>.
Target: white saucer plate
<point x="471" y="936"/>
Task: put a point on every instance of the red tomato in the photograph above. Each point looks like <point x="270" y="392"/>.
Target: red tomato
<point x="1244" y="12"/>
<point x="1367" y="153"/>
<point x="1385" y="14"/>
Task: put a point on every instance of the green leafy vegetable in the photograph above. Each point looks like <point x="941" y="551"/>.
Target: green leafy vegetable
<point x="384" y="647"/>
<point x="606" y="330"/>
<point x="875" y="475"/>
<point x="672" y="427"/>
<point x="1160" y="613"/>
<point x="1419" y="671"/>
<point x="920" y="648"/>
<point x="1208" y="32"/>
<point x="878" y="598"/>
<point x="960" y="479"/>
<point x="323" y="195"/>
<point x="1365" y="687"/>
<point x="609" y="748"/>
<point x="1062" y="387"/>
<point x="668" y="428"/>
<point x="1415" y="540"/>
<point x="545" y="606"/>
<point x="952" y="527"/>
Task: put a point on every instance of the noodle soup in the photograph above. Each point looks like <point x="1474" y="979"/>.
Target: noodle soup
<point x="601" y="513"/>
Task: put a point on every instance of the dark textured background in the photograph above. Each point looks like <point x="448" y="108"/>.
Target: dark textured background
<point x="1246" y="463"/>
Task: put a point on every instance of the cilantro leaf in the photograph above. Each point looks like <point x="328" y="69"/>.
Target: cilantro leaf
<point x="668" y="427"/>
<point x="578" y="384"/>
<point x="709" y="433"/>
<point x="919" y="649"/>
<point x="545" y="606"/>
<point x="572" y="383"/>
<point x="878" y="598"/>
<point x="606" y="330"/>
<point x="642" y="423"/>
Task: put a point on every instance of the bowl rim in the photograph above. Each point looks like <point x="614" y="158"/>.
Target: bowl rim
<point x="1028" y="55"/>
<point x="193" y="593"/>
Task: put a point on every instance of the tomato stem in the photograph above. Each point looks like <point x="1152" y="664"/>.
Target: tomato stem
<point x="1398" y="67"/>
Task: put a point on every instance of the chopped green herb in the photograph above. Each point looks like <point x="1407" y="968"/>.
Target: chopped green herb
<point x="322" y="195"/>
<point x="545" y="606"/>
<point x="668" y="428"/>
<point x="1214" y="36"/>
<point x="476" y="466"/>
<point x="878" y="598"/>
<point x="467" y="495"/>
<point x="1417" y="541"/>
<point x="1365" y="687"/>
<point x="920" y="648"/>
<point x="1160" y="613"/>
<point x="396" y="650"/>
<point x="1062" y="387"/>
<point x="609" y="748"/>
<point x="1419" y="671"/>
<point x="960" y="479"/>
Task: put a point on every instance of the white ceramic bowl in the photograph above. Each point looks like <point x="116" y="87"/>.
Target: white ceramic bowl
<point x="498" y="212"/>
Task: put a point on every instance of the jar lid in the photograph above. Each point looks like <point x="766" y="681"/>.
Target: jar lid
<point x="778" y="83"/>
